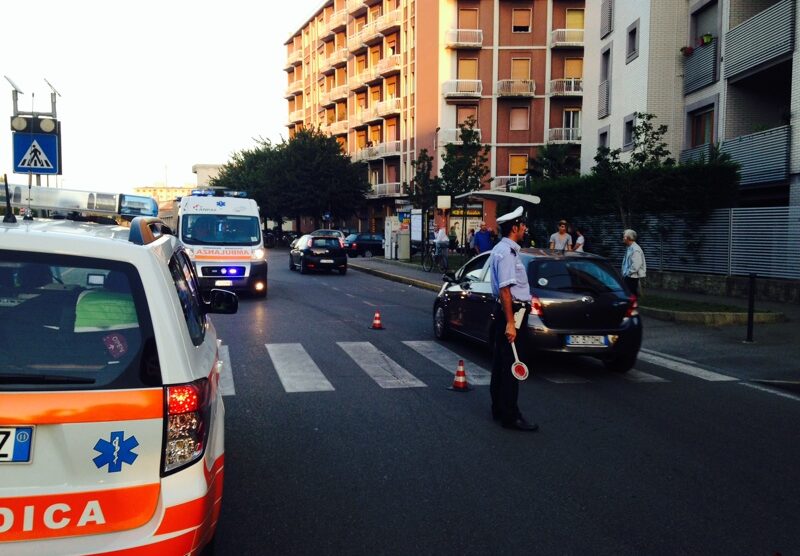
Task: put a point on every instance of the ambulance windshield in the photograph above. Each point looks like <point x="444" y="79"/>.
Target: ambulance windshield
<point x="213" y="229"/>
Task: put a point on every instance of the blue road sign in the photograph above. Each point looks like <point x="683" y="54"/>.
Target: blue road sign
<point x="35" y="153"/>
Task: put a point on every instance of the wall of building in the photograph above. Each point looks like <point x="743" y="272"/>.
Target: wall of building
<point x="794" y="161"/>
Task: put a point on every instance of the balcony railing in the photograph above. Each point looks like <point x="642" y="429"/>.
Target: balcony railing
<point x="294" y="87"/>
<point x="337" y="56"/>
<point x="339" y="92"/>
<point x="370" y="31"/>
<point x="324" y="97"/>
<point x="696" y="154"/>
<point x="355" y="5"/>
<point x="389" y="106"/>
<point x="390" y="148"/>
<point x="603" y="99"/>
<point x="516" y="88"/>
<point x="762" y="156"/>
<point x="571" y="86"/>
<point x="507" y="183"/>
<point x="390" y="19"/>
<point x="464" y="38"/>
<point x="337" y="128"/>
<point x="296" y="116"/>
<point x="566" y="38"/>
<point x="356" y="40"/>
<point x="366" y="153"/>
<point x="453" y="136"/>
<point x="763" y="38"/>
<point x="700" y="67"/>
<point x="390" y="189"/>
<point x="337" y="20"/>
<point x="471" y="88"/>
<point x="294" y="57"/>
<point x="564" y="135"/>
<point x="389" y="64"/>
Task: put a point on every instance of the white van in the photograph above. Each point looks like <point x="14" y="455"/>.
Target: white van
<point x="222" y="236"/>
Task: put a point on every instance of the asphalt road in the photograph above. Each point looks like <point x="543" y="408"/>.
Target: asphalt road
<point x="659" y="462"/>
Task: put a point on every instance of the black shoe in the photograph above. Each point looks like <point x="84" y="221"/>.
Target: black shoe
<point x="520" y="424"/>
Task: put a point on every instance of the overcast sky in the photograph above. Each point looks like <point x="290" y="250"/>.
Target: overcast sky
<point x="148" y="88"/>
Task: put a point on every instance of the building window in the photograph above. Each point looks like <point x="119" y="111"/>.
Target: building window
<point x="572" y="118"/>
<point x="602" y="139"/>
<point x="468" y="68"/>
<point x="517" y="164"/>
<point x="520" y="68"/>
<point x="632" y="44"/>
<point x="606" y="18"/>
<point x="574" y="19"/>
<point x="519" y="118"/>
<point x="702" y="127"/>
<point x="627" y="132"/>
<point x="520" y="21"/>
<point x="467" y="18"/>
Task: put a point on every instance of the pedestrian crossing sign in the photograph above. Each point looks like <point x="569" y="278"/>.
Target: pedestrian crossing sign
<point x="36" y="153"/>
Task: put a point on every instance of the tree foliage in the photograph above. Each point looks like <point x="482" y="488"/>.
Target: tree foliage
<point x="553" y="161"/>
<point x="305" y="176"/>
<point x="465" y="164"/>
<point x="424" y="188"/>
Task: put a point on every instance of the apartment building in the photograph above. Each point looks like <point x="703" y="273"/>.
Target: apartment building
<point x="715" y="71"/>
<point x="389" y="78"/>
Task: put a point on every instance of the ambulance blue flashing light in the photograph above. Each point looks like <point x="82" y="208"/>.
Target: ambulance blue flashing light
<point x="70" y="200"/>
<point x="218" y="193"/>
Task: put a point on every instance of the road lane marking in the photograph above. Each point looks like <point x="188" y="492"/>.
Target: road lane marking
<point x="561" y="378"/>
<point x="635" y="375"/>
<point x="682" y="366"/>
<point x="226" y="377"/>
<point x="368" y="303"/>
<point x="773" y="391"/>
<point x="382" y="369"/>
<point x="448" y="360"/>
<point x="296" y="369"/>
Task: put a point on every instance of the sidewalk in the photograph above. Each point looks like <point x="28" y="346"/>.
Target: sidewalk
<point x="773" y="356"/>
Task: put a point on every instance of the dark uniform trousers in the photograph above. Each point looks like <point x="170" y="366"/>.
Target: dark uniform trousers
<point x="504" y="387"/>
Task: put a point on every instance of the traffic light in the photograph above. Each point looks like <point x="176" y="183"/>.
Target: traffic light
<point x="27" y="124"/>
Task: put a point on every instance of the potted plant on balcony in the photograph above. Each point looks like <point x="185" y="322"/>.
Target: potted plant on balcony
<point x="687" y="50"/>
<point x="707" y="38"/>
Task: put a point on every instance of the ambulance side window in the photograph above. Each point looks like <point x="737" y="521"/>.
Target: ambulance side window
<point x="189" y="294"/>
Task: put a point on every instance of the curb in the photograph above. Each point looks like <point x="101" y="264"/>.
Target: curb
<point x="396" y="278"/>
<point x="711" y="318"/>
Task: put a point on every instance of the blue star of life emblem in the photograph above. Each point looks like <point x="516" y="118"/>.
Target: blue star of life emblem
<point x="220" y="203"/>
<point x="116" y="452"/>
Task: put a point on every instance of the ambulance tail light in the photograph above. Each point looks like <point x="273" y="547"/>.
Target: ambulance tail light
<point x="188" y="413"/>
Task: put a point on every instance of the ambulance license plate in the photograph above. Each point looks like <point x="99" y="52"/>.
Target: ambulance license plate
<point x="598" y="341"/>
<point x="326" y="261"/>
<point x="223" y="282"/>
<point x="15" y="444"/>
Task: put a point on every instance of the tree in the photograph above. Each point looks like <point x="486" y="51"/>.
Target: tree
<point x="553" y="161"/>
<point x="464" y="166"/>
<point x="423" y="189"/>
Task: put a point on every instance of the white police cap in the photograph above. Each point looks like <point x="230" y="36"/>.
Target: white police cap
<point x="513" y="215"/>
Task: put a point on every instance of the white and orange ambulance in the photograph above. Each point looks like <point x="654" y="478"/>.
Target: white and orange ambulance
<point x="222" y="234"/>
<point x="111" y="415"/>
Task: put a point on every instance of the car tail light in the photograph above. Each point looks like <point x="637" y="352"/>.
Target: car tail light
<point x="188" y="413"/>
<point x="633" y="307"/>
<point x="341" y="243"/>
<point x="536" y="306"/>
<point x="353" y="245"/>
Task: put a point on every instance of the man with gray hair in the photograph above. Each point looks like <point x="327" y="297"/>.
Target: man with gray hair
<point x="634" y="266"/>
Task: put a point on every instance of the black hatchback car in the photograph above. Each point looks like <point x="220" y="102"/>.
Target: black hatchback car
<point x="364" y="244"/>
<point x="318" y="253"/>
<point x="579" y="306"/>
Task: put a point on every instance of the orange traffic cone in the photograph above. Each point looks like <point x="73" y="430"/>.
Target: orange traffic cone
<point x="376" y="322"/>
<point x="460" y="381"/>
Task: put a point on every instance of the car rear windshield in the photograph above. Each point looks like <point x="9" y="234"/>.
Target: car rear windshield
<point x="579" y="275"/>
<point x="327" y="242"/>
<point x="73" y="323"/>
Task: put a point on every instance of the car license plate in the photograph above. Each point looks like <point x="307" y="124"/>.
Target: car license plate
<point x="223" y="283"/>
<point x="15" y="444"/>
<point x="597" y="341"/>
<point x="326" y="261"/>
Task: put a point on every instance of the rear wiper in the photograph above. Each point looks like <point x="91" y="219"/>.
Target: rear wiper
<point x="44" y="379"/>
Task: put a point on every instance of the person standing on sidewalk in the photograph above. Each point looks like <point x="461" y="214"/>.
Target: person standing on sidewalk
<point x="513" y="295"/>
<point x="442" y="245"/>
<point x="634" y="266"/>
<point x="580" y="241"/>
<point x="483" y="239"/>
<point x="561" y="240"/>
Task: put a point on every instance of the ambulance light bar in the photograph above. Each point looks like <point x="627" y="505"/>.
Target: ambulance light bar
<point x="70" y="200"/>
<point x="218" y="193"/>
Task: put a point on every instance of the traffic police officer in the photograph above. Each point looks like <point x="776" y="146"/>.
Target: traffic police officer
<point x="512" y="293"/>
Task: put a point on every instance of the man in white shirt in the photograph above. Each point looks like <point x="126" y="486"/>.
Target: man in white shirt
<point x="634" y="266"/>
<point x="442" y="245"/>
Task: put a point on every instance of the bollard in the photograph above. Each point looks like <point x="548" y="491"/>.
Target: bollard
<point x="751" y="301"/>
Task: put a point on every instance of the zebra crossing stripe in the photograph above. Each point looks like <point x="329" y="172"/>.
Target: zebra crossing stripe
<point x="682" y="366"/>
<point x="226" y="377"/>
<point x="383" y="370"/>
<point x="448" y="360"/>
<point x="561" y="378"/>
<point x="635" y="375"/>
<point x="296" y="369"/>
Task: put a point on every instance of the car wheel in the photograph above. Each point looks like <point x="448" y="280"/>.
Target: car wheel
<point x="621" y="363"/>
<point x="440" y="328"/>
<point x="367" y="253"/>
<point x="303" y="269"/>
<point x="343" y="271"/>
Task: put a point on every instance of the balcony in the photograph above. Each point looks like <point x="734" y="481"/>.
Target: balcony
<point x="337" y="21"/>
<point x="566" y="38"/>
<point x="569" y="87"/>
<point x="464" y="38"/>
<point x="516" y="88"/>
<point x="462" y="88"/>
<point x="294" y="58"/>
<point x="370" y="114"/>
<point x="371" y="74"/>
<point x="355" y="42"/>
<point x="763" y="156"/>
<point x="358" y="80"/>
<point x="700" y="67"/>
<point x="564" y="135"/>
<point x="355" y="6"/>
<point x="390" y="148"/>
<point x="604" y="99"/>
<point x="296" y="116"/>
<point x="293" y="88"/>
<point x="370" y="33"/>
<point x="453" y="136"/>
<point x="390" y="21"/>
<point x="389" y="107"/>
<point x="507" y="183"/>
<point x="764" y="38"/>
<point x="338" y="56"/>
<point x="325" y="98"/>
<point x="696" y="154"/>
<point x="389" y="64"/>
<point x="390" y="189"/>
<point x="365" y="153"/>
<point x="337" y="128"/>
<point x="340" y="92"/>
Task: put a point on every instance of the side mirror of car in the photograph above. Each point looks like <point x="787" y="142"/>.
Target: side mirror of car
<point x="222" y="302"/>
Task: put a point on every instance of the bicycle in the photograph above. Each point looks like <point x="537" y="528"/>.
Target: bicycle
<point x="430" y="257"/>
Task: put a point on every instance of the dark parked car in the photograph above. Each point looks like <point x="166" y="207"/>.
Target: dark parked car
<point x="329" y="233"/>
<point x="579" y="306"/>
<point x="318" y="253"/>
<point x="364" y="244"/>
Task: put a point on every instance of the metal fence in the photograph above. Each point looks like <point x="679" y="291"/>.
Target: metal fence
<point x="731" y="242"/>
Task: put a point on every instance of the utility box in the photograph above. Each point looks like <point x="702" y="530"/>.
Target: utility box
<point x="391" y="226"/>
<point x="404" y="245"/>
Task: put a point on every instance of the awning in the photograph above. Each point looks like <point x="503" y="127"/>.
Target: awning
<point x="499" y="195"/>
